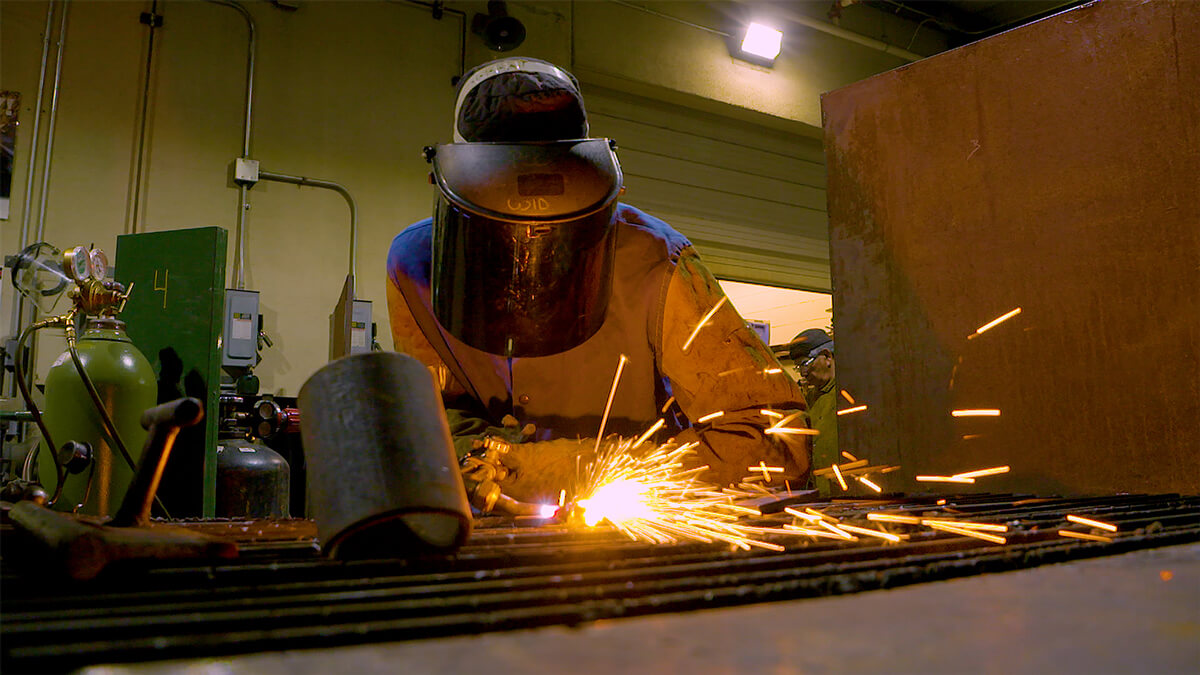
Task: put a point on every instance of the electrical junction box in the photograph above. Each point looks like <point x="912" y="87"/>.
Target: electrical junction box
<point x="360" y="327"/>
<point x="240" y="337"/>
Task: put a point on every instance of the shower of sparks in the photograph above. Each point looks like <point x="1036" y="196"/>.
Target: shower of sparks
<point x="710" y="416"/>
<point x="838" y="473"/>
<point x="650" y="497"/>
<point x="1092" y="523"/>
<point x="976" y="412"/>
<point x="849" y="456"/>
<point x="846" y="395"/>
<point x="869" y="483"/>
<point x="994" y="322"/>
<point x="982" y="472"/>
<point x="608" y="406"/>
<point x="969" y="533"/>
<point x="893" y="518"/>
<point x="771" y="413"/>
<point x="703" y="321"/>
<point x="847" y="411"/>
<point x="870" y="533"/>
<point x="1081" y="535"/>
<point x="944" y="479"/>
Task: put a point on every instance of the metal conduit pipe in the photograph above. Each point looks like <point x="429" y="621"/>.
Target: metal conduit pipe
<point x="328" y="185"/>
<point x="17" y="320"/>
<point x="844" y="34"/>
<point x="62" y="38"/>
<point x="240" y="259"/>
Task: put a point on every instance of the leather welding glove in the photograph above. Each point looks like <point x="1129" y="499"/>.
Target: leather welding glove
<point x="730" y="451"/>
<point x="467" y="428"/>
<point x="539" y="471"/>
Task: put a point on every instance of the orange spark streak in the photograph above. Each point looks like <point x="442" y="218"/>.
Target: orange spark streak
<point x="1092" y="523"/>
<point x="803" y="431"/>
<point x="893" y="518"/>
<point x="995" y="322"/>
<point x="667" y="404"/>
<point x="982" y="472"/>
<point x="849" y="456"/>
<point x="868" y="532"/>
<point x="1081" y="535"/>
<point x="976" y="412"/>
<point x="944" y="479"/>
<point x="970" y="533"/>
<point x="855" y="409"/>
<point x="710" y="416"/>
<point x="846" y="395"/>
<point x="649" y="432"/>
<point x="842" y="481"/>
<point x="965" y="524"/>
<point x="866" y="481"/>
<point x="704" y="321"/>
<point x="608" y="406"/>
<point x="770" y="413"/>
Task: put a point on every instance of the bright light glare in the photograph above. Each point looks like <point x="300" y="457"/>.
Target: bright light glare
<point x="548" y="510"/>
<point x="618" y="502"/>
<point x="762" y="41"/>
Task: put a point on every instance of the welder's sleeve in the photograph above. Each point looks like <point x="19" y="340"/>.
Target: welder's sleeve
<point x="724" y="367"/>
<point x="466" y="423"/>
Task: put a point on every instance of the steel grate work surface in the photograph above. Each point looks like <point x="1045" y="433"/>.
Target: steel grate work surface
<point x="281" y="595"/>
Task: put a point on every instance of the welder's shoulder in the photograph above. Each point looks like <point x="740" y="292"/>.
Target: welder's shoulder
<point x="410" y="252"/>
<point x="655" y="230"/>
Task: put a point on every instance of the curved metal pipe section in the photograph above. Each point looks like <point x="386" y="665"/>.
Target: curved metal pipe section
<point x="243" y="206"/>
<point x="328" y="185"/>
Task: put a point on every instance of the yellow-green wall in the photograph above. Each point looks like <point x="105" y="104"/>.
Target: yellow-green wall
<point x="346" y="92"/>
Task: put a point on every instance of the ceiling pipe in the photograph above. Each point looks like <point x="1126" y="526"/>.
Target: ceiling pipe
<point x="839" y="32"/>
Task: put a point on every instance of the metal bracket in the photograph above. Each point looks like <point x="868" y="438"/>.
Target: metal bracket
<point x="151" y="19"/>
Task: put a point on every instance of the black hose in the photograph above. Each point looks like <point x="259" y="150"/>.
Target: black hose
<point x="59" y="472"/>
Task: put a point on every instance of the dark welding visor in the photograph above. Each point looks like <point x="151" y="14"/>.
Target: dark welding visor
<point x="523" y="242"/>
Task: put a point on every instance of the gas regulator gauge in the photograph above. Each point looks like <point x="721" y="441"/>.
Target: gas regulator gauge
<point x="98" y="264"/>
<point x="78" y="264"/>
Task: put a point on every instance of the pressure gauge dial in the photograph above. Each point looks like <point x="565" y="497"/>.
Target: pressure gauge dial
<point x="78" y="264"/>
<point x="98" y="264"/>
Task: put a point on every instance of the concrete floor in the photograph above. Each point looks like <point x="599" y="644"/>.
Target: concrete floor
<point x="1133" y="613"/>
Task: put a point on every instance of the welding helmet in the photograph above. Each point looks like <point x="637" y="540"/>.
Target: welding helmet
<point x="523" y="234"/>
<point x="523" y="242"/>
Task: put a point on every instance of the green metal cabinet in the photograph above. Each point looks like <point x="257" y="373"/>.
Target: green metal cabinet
<point x="174" y="317"/>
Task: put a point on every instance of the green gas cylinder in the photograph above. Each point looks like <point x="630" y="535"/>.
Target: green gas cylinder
<point x="126" y="384"/>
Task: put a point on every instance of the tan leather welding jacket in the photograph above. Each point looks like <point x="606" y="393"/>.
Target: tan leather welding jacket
<point x="661" y="293"/>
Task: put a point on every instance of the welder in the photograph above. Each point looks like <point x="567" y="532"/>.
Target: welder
<point x="530" y="283"/>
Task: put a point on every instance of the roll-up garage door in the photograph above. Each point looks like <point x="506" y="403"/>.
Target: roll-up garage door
<point x="750" y="198"/>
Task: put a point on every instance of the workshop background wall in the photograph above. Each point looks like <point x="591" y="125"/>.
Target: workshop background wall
<point x="346" y="92"/>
